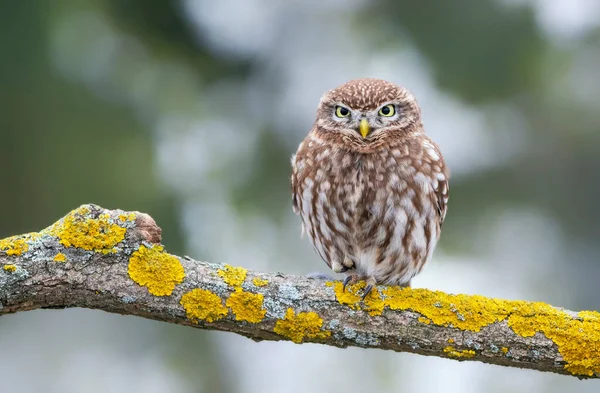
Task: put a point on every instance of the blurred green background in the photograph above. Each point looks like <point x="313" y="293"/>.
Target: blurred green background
<point x="190" y="110"/>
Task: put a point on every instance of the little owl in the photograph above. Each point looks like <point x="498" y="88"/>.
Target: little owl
<point x="370" y="186"/>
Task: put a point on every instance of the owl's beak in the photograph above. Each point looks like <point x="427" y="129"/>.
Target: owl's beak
<point x="364" y="128"/>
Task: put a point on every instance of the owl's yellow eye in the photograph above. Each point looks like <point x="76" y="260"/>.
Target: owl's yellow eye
<point x="340" y="111"/>
<point x="387" y="111"/>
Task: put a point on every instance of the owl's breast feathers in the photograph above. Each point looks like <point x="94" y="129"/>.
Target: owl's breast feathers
<point x="415" y="163"/>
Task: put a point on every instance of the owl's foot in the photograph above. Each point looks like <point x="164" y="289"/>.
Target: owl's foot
<point x="350" y="279"/>
<point x="371" y="283"/>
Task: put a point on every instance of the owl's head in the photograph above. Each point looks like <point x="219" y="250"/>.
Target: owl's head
<point x="368" y="110"/>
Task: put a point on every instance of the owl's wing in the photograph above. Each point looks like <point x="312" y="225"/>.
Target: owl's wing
<point x="439" y="177"/>
<point x="294" y="184"/>
<point x="442" y="194"/>
<point x="296" y="191"/>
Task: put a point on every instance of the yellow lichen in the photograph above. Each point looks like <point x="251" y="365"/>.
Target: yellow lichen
<point x="155" y="269"/>
<point x="127" y="217"/>
<point x="15" y="245"/>
<point x="200" y="304"/>
<point x="60" y="257"/>
<point x="246" y="306"/>
<point x="78" y="230"/>
<point x="589" y="315"/>
<point x="461" y="311"/>
<point x="301" y="326"/>
<point x="10" y="268"/>
<point x="424" y="320"/>
<point x="577" y="338"/>
<point x="504" y="350"/>
<point x="465" y="353"/>
<point x="259" y="282"/>
<point x="233" y="276"/>
<point x="450" y="341"/>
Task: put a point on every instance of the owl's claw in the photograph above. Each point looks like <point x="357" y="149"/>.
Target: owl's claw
<point x="349" y="279"/>
<point x="371" y="283"/>
<point x="368" y="290"/>
<point x="352" y="278"/>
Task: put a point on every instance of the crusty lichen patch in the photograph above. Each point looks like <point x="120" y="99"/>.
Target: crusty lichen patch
<point x="259" y="282"/>
<point x="459" y="354"/>
<point x="156" y="270"/>
<point x="10" y="268"/>
<point x="577" y="338"/>
<point x="17" y="245"/>
<point x="127" y="217"/>
<point x="464" y="312"/>
<point x="78" y="229"/>
<point x="200" y="304"/>
<point x="60" y="257"/>
<point x="246" y="306"/>
<point x="233" y="276"/>
<point x="301" y="326"/>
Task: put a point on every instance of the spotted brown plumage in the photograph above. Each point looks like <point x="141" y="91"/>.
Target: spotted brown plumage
<point x="370" y="187"/>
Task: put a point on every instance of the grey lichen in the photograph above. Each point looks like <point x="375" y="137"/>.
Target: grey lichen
<point x="274" y="308"/>
<point x="349" y="333"/>
<point x="288" y="291"/>
<point x="8" y="277"/>
<point x="128" y="299"/>
<point x="334" y="324"/>
<point x="220" y="288"/>
<point x="366" y="340"/>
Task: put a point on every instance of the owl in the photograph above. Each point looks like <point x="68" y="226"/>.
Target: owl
<point x="370" y="187"/>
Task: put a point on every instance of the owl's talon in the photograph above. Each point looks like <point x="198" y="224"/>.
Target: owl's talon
<point x="371" y="283"/>
<point x="349" y="279"/>
<point x="346" y="281"/>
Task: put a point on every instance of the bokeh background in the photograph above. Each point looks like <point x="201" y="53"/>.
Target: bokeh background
<point x="190" y="110"/>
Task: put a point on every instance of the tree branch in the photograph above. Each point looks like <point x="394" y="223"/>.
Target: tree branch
<point x="112" y="261"/>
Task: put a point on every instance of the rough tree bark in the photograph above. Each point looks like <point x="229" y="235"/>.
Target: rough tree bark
<point x="113" y="261"/>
